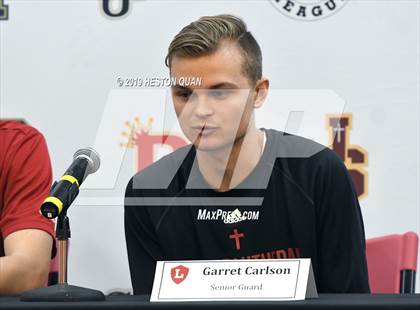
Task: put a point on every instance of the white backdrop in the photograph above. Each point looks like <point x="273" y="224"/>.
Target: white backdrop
<point x="60" y="61"/>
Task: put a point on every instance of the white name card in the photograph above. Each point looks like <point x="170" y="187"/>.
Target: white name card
<point x="205" y="280"/>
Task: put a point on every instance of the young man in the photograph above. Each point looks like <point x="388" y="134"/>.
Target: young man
<point x="26" y="238"/>
<point x="239" y="191"/>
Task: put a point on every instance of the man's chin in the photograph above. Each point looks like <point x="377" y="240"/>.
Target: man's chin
<point x="211" y="146"/>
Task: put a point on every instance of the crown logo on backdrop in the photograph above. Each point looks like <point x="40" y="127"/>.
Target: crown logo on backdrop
<point x="145" y="142"/>
<point x="133" y="128"/>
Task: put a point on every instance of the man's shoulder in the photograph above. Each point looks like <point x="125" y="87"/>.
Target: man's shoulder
<point x="303" y="160"/>
<point x="300" y="149"/>
<point x="287" y="145"/>
<point x="17" y="129"/>
<point x="160" y="174"/>
<point x="14" y="135"/>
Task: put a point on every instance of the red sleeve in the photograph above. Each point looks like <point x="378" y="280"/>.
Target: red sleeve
<point x="28" y="181"/>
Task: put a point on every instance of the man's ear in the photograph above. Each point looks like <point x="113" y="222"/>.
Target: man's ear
<point x="261" y="90"/>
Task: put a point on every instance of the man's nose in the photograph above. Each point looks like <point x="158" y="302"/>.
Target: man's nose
<point x="202" y="105"/>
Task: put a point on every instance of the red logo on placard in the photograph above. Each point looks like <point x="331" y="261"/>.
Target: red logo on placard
<point x="179" y="273"/>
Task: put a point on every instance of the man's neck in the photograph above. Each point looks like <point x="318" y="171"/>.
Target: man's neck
<point x="226" y="168"/>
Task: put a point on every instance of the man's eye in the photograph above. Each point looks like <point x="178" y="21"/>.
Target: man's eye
<point x="219" y="93"/>
<point x="183" y="95"/>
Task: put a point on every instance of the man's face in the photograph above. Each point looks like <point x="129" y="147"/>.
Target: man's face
<point x="216" y="113"/>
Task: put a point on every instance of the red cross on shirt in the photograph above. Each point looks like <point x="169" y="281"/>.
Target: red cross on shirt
<point x="236" y="236"/>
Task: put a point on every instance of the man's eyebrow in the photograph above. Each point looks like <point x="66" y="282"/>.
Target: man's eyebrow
<point x="180" y="87"/>
<point x="223" y="85"/>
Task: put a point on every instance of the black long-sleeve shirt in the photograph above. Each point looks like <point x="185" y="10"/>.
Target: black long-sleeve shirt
<point x="299" y="201"/>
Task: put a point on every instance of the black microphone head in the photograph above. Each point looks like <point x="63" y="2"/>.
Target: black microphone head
<point x="92" y="157"/>
<point x="50" y="210"/>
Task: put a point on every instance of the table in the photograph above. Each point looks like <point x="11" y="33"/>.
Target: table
<point x="325" y="301"/>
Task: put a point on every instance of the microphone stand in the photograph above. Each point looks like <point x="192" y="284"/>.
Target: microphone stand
<point x="62" y="291"/>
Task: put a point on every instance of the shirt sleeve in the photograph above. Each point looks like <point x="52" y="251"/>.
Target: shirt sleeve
<point x="340" y="231"/>
<point x="143" y="248"/>
<point x="28" y="183"/>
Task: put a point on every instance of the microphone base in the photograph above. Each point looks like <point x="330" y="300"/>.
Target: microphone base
<point x="62" y="292"/>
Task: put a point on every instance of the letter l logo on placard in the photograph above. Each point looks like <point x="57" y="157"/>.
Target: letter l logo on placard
<point x="179" y="273"/>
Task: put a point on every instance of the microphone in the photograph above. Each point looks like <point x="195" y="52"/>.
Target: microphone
<point x="63" y="192"/>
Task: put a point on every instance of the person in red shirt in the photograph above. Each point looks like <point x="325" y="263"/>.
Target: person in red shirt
<point x="26" y="237"/>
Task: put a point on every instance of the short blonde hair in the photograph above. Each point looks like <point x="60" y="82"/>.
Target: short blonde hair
<point x="202" y="37"/>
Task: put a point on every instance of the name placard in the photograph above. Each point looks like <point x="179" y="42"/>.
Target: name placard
<point x="205" y="280"/>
